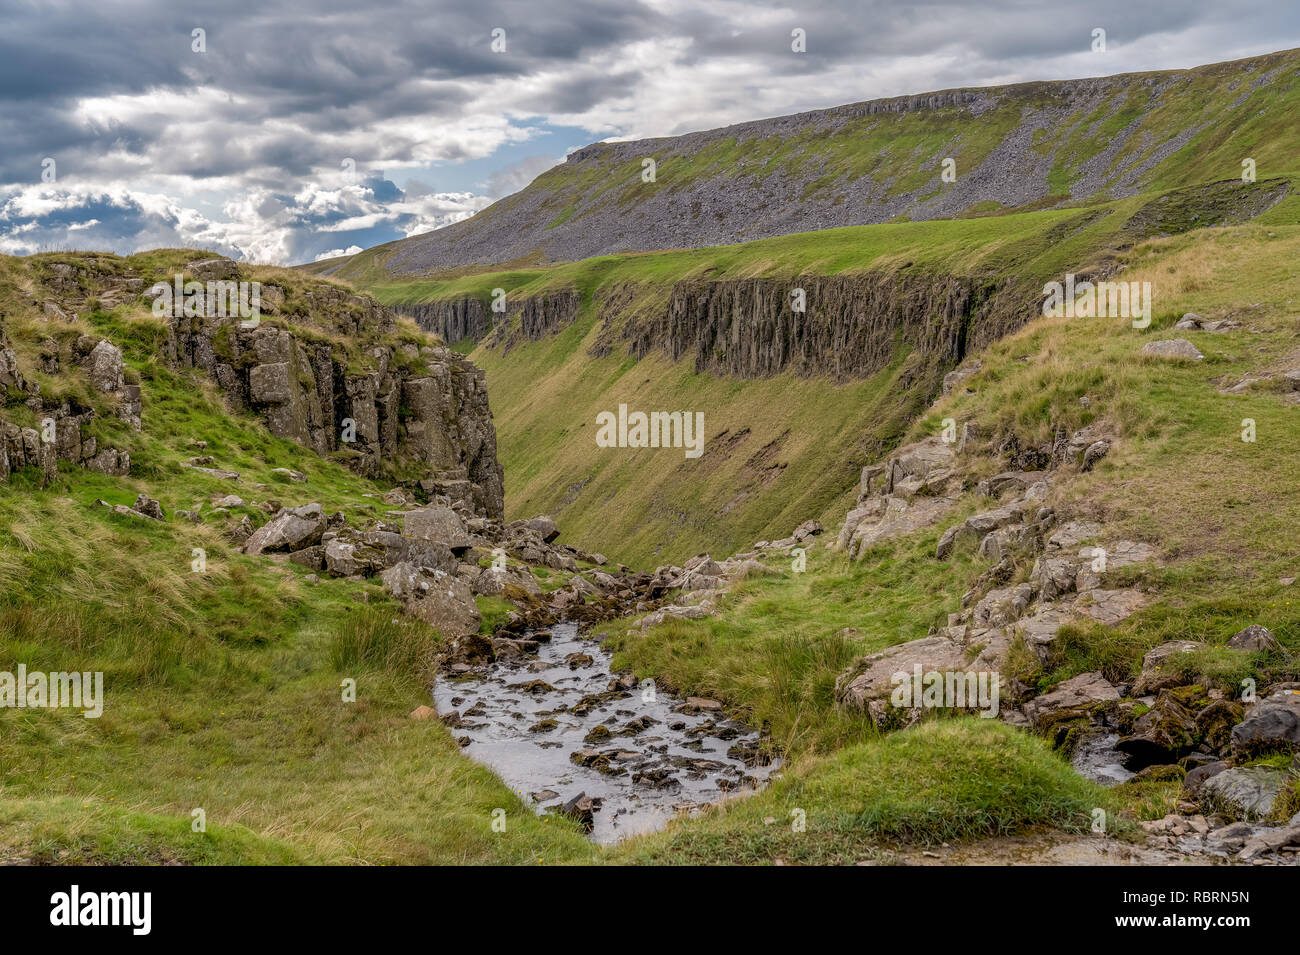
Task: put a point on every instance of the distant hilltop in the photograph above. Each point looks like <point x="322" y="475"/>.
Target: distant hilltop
<point x="947" y="154"/>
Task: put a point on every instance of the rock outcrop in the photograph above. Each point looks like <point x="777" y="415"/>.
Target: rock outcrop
<point x="850" y="326"/>
<point x="389" y="406"/>
<point x="460" y="319"/>
<point x="64" y="432"/>
<point x="322" y="366"/>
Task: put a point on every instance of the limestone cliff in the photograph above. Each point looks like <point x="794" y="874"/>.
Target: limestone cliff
<point x="322" y="366"/>
<point x="850" y="326"/>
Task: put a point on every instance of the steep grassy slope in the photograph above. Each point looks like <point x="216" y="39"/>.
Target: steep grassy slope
<point x="779" y="448"/>
<point x="1028" y="146"/>
<point x="1220" y="511"/>
<point x="222" y="687"/>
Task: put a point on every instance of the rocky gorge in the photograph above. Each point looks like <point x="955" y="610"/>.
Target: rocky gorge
<point x="841" y="327"/>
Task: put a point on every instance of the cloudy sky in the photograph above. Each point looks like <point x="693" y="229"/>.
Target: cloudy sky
<point x="284" y="133"/>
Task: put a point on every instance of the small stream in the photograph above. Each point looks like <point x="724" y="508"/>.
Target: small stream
<point x="1096" y="758"/>
<point x="558" y="724"/>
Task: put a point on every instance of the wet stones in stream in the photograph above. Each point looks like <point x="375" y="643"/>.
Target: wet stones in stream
<point x="584" y="742"/>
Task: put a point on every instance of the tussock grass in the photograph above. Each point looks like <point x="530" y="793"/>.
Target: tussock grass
<point x="781" y="641"/>
<point x="377" y="638"/>
<point x="944" y="780"/>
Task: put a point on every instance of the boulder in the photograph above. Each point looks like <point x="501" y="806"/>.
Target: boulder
<point x="1009" y="481"/>
<point x="1174" y="349"/>
<point x="105" y="367"/>
<point x="290" y="474"/>
<point x="897" y="517"/>
<point x="919" y="459"/>
<point x="1157" y="672"/>
<point x="807" y="530"/>
<point x="437" y="524"/>
<point x="582" y="809"/>
<point x="492" y="581"/>
<point x="1109" y="607"/>
<point x="149" y="507"/>
<point x="313" y="557"/>
<point x="1215" y="721"/>
<point x="1160" y="736"/>
<point x="975" y="527"/>
<point x="442" y="600"/>
<point x="872" y="677"/>
<point x="1039" y="631"/>
<point x="294" y="528"/>
<point x="1255" y="639"/>
<point x="543" y="526"/>
<point x="1272" y="724"/>
<point x="1246" y="792"/>
<point x="369" y="552"/>
<point x="1195" y="779"/>
<point x="214" y="270"/>
<point x="1002" y="606"/>
<point x="1082" y="692"/>
<point x="1071" y="534"/>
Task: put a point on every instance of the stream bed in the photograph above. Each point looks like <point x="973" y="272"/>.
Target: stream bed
<point x="561" y="729"/>
<point x="1096" y="758"/>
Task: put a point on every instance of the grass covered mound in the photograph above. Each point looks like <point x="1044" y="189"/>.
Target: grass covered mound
<point x="939" y="781"/>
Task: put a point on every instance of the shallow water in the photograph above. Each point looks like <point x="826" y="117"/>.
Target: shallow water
<point x="659" y="761"/>
<point x="1097" y="759"/>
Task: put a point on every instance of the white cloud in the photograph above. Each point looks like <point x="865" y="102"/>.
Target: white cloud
<point x="335" y="253"/>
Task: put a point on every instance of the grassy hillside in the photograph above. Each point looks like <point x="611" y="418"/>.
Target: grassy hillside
<point x="1219" y="510"/>
<point x="782" y="449"/>
<point x="1015" y="148"/>
<point x="223" y="688"/>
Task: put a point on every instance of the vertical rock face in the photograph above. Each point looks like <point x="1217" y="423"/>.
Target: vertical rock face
<point x="63" y="431"/>
<point x="392" y="409"/>
<point x="454" y="319"/>
<point x="850" y="327"/>
<point x="458" y="319"/>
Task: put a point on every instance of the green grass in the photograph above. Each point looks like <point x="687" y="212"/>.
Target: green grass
<point x="775" y="651"/>
<point x="941" y="781"/>
<point x="225" y="689"/>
